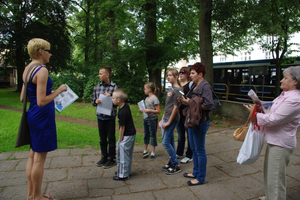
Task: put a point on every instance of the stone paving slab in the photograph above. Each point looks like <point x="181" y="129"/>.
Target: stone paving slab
<point x="73" y="174"/>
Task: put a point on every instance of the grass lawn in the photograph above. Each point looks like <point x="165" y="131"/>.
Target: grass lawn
<point x="69" y="135"/>
<point x="72" y="135"/>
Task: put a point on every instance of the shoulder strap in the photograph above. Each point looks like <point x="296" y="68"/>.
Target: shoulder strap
<point x="190" y="84"/>
<point x="33" y="72"/>
<point x="201" y="86"/>
<point x="25" y="86"/>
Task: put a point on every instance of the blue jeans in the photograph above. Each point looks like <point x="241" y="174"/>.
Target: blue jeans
<point x="168" y="141"/>
<point x="150" y="129"/>
<point x="181" y="139"/>
<point x="197" y="137"/>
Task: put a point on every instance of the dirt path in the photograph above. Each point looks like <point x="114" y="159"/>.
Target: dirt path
<point x="223" y="124"/>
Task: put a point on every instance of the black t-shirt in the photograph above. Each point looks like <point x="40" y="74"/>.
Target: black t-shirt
<point x="125" y="119"/>
<point x="186" y="89"/>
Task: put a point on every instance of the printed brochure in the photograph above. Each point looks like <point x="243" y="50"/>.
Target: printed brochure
<point x="64" y="99"/>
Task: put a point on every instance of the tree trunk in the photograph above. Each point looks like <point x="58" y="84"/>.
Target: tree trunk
<point x="151" y="39"/>
<point x="20" y="44"/>
<point x="206" y="49"/>
<point x="112" y="35"/>
<point x="20" y="65"/>
<point x="278" y="61"/>
<point x="97" y="33"/>
<point x="87" y="35"/>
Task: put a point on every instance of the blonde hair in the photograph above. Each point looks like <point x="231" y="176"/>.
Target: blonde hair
<point x="174" y="73"/>
<point x="121" y="94"/>
<point x="34" y="45"/>
<point x="153" y="87"/>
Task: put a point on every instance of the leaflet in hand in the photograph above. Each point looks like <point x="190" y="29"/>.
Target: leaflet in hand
<point x="266" y="105"/>
<point x="142" y="107"/>
<point x="64" y="99"/>
<point x="105" y="107"/>
<point x="161" y="128"/>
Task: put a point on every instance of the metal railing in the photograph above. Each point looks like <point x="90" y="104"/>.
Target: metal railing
<point x="241" y="91"/>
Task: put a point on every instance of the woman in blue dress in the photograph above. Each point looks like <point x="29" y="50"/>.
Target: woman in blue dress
<point x="41" y="115"/>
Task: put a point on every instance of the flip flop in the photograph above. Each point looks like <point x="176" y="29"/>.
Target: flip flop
<point x="186" y="175"/>
<point x="48" y="197"/>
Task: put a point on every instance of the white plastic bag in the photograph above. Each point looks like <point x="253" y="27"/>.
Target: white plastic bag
<point x="251" y="147"/>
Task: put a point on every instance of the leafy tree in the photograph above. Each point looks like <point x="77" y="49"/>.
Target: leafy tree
<point x="166" y="33"/>
<point x="22" y="20"/>
<point x="279" y="24"/>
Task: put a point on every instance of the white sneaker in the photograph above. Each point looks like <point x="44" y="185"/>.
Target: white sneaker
<point x="186" y="160"/>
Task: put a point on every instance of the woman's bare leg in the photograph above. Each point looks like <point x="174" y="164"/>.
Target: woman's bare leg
<point x="28" y="175"/>
<point x="37" y="173"/>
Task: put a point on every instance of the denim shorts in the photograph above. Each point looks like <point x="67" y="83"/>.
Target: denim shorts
<point x="150" y="130"/>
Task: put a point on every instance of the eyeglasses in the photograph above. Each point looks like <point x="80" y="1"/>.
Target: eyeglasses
<point x="49" y="51"/>
<point x="182" y="72"/>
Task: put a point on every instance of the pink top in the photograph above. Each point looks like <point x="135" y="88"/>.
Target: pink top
<point x="280" y="125"/>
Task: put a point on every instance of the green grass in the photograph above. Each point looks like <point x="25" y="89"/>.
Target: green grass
<point x="10" y="98"/>
<point x="69" y="135"/>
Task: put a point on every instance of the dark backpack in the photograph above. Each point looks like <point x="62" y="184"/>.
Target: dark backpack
<point x="217" y="102"/>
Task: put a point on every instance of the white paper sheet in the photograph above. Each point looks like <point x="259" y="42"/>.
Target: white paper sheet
<point x="161" y="128"/>
<point x="141" y="105"/>
<point x="266" y="105"/>
<point x="105" y="106"/>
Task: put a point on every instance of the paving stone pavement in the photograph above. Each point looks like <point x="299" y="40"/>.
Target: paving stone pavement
<point x="73" y="174"/>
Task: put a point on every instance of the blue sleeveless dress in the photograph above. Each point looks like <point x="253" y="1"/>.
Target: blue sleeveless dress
<point x="41" y="120"/>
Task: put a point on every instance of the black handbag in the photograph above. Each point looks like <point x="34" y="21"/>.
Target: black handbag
<point x="23" y="137"/>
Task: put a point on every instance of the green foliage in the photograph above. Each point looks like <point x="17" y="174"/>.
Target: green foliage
<point x="214" y="117"/>
<point x="74" y="81"/>
<point x="93" y="80"/>
<point x="231" y="27"/>
<point x="21" y="21"/>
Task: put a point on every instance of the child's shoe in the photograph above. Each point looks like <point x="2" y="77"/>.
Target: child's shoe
<point x="167" y="166"/>
<point x="152" y="156"/>
<point x="173" y="170"/>
<point x="145" y="154"/>
<point x="101" y="162"/>
<point x="116" y="178"/>
<point x="110" y="163"/>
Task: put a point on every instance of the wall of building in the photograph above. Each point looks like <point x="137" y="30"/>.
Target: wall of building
<point x="232" y="109"/>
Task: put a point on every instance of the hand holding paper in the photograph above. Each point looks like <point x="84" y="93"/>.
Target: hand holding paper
<point x="141" y="105"/>
<point x="266" y="105"/>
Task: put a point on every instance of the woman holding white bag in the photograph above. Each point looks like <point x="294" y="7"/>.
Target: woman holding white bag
<point x="280" y="129"/>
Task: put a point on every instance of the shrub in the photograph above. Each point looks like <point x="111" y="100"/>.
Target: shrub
<point x="75" y="82"/>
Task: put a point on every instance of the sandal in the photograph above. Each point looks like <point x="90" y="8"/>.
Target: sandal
<point x="186" y="175"/>
<point x="48" y="197"/>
